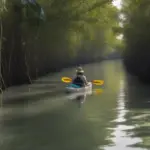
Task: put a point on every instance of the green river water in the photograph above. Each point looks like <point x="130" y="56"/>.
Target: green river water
<point x="41" y="116"/>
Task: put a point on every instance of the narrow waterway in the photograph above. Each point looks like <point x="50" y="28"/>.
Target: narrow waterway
<point x="42" y="117"/>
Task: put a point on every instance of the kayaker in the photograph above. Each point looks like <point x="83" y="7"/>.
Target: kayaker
<point x="80" y="78"/>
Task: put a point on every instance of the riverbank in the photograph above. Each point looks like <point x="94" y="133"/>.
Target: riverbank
<point x="32" y="78"/>
<point x="44" y="86"/>
<point x="139" y="71"/>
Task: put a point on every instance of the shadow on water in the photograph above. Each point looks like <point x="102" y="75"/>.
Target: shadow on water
<point x="132" y="127"/>
<point x="65" y="128"/>
<point x="29" y="98"/>
<point x="34" y="92"/>
<point x="138" y="103"/>
<point x="80" y="100"/>
<point x="138" y="94"/>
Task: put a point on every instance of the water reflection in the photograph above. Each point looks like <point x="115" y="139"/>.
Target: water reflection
<point x="122" y="139"/>
<point x="138" y="97"/>
<point x="138" y="94"/>
<point x="116" y="119"/>
<point x="80" y="97"/>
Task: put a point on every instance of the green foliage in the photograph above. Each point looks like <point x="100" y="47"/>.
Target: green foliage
<point x="137" y="37"/>
<point x="136" y="27"/>
<point x="72" y="31"/>
<point x="76" y="21"/>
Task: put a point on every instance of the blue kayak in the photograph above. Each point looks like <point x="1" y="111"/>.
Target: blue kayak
<point x="76" y="88"/>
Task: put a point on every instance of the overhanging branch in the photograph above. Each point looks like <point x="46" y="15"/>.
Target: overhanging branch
<point x="94" y="6"/>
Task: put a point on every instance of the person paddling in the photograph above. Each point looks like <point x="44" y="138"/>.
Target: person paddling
<point x="80" y="78"/>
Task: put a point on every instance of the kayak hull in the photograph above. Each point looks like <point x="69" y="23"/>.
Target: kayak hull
<point x="75" y="95"/>
<point x="79" y="89"/>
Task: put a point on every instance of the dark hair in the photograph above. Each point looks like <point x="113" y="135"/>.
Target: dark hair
<point x="80" y="73"/>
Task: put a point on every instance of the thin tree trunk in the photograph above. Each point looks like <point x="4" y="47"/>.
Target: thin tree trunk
<point x="1" y="34"/>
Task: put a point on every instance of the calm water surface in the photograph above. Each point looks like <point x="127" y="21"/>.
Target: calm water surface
<point x="42" y="117"/>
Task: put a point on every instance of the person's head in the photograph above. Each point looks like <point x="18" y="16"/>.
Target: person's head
<point x="79" y="71"/>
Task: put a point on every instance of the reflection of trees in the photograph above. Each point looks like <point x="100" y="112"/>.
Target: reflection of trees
<point x="138" y="95"/>
<point x="66" y="127"/>
<point x="99" y="110"/>
<point x="137" y="102"/>
<point x="63" y="128"/>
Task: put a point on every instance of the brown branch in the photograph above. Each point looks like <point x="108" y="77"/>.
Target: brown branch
<point x="96" y="5"/>
<point x="1" y="97"/>
<point x="27" y="67"/>
<point x="78" y="16"/>
<point x="1" y="35"/>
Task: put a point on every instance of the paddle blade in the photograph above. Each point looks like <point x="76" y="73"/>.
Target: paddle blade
<point x="66" y="79"/>
<point x="98" y="82"/>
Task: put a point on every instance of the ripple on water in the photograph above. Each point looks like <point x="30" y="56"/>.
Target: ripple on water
<point x="121" y="137"/>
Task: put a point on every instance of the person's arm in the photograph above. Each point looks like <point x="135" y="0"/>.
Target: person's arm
<point x="85" y="80"/>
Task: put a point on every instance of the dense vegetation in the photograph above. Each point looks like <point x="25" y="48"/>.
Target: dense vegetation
<point x="46" y="35"/>
<point x="137" y="38"/>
